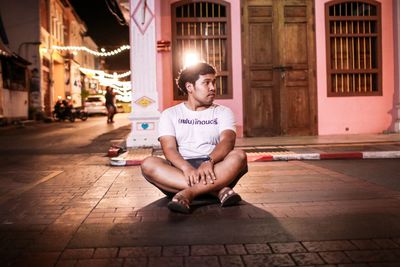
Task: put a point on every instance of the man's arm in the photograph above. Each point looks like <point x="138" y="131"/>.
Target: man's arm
<point x="227" y="143"/>
<point x="170" y="149"/>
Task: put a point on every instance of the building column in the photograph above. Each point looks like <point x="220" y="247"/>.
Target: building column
<point x="144" y="113"/>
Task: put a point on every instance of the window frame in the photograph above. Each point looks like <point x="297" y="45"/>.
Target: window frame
<point x="378" y="54"/>
<point x="175" y="61"/>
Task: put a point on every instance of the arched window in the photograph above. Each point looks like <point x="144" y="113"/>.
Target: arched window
<point x="201" y="29"/>
<point x="354" y="53"/>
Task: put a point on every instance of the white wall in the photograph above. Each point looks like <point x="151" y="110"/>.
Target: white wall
<point x="21" y="22"/>
<point x="11" y="109"/>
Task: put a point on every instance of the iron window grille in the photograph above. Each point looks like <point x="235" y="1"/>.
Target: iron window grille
<point x="354" y="64"/>
<point x="203" y="27"/>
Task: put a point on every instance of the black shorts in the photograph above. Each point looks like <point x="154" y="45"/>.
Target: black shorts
<point x="196" y="162"/>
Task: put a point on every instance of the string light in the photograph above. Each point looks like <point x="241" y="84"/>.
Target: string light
<point x="92" y="72"/>
<point x="122" y="88"/>
<point x="96" y="53"/>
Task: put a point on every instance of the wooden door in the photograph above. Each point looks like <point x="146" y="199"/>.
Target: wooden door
<point x="279" y="67"/>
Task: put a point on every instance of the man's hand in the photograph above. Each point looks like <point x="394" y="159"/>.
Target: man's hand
<point x="206" y="172"/>
<point x="191" y="175"/>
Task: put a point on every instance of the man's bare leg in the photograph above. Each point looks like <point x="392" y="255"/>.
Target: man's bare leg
<point x="225" y="171"/>
<point x="163" y="174"/>
<point x="171" y="179"/>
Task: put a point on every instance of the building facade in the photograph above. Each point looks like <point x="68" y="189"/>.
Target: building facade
<point x="34" y="27"/>
<point x="287" y="67"/>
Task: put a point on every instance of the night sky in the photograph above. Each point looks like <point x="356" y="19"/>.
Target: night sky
<point x="105" y="30"/>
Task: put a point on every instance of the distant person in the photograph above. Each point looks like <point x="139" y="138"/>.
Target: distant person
<point x="58" y="105"/>
<point x="110" y="104"/>
<point x="67" y="105"/>
<point x="198" y="139"/>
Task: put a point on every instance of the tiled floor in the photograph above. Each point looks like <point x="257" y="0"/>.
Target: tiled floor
<point x="292" y="214"/>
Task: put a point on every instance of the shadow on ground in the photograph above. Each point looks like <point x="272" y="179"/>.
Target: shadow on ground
<point x="207" y="224"/>
<point x="102" y="142"/>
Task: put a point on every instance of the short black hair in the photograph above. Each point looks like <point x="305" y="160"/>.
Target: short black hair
<point x="192" y="73"/>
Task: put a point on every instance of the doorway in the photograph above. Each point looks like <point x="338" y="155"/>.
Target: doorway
<point x="278" y="41"/>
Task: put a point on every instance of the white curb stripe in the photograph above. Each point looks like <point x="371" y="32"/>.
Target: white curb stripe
<point x="117" y="162"/>
<point x="309" y="156"/>
<point x="381" y="154"/>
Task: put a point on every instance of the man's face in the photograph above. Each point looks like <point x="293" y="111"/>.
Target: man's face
<point x="204" y="89"/>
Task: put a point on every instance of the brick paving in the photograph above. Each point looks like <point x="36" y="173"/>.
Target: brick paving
<point x="293" y="214"/>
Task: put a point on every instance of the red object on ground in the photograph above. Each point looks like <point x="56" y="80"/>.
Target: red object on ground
<point x="114" y="151"/>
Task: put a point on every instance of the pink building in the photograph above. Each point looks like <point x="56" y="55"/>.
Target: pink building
<point x="287" y="67"/>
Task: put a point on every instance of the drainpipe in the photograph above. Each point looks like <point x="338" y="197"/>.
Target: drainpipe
<point x="51" y="83"/>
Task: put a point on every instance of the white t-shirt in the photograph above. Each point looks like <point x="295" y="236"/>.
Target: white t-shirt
<point x="196" y="132"/>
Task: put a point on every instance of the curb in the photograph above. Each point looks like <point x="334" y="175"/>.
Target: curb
<point x="124" y="162"/>
<point x="327" y="156"/>
<point x="120" y="161"/>
<point x="131" y="157"/>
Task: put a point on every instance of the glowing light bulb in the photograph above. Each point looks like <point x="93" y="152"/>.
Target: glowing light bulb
<point x="190" y="58"/>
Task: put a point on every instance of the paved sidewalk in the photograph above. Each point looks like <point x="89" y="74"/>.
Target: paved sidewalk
<point x="83" y="212"/>
<point x="294" y="214"/>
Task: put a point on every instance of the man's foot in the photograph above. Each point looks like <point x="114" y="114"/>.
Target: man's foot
<point x="179" y="203"/>
<point x="228" y="197"/>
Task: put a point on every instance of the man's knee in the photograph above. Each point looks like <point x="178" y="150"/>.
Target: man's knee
<point x="148" y="165"/>
<point x="240" y="155"/>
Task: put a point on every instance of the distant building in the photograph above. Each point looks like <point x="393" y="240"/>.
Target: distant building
<point x="14" y="83"/>
<point x="34" y="27"/>
<point x="76" y="36"/>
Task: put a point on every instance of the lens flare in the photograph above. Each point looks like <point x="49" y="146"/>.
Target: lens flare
<point x="190" y="58"/>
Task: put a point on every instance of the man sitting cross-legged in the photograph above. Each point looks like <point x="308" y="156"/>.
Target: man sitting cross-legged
<point x="197" y="138"/>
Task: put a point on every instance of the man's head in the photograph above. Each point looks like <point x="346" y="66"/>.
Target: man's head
<point x="192" y="73"/>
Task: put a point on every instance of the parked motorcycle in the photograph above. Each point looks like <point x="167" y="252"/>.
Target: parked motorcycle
<point x="63" y="110"/>
<point x="80" y="113"/>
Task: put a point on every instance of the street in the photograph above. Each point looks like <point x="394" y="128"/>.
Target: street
<point x="61" y="204"/>
<point x="80" y="137"/>
<point x="30" y="153"/>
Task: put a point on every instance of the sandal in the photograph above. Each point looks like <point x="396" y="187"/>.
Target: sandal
<point x="228" y="197"/>
<point x="179" y="203"/>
